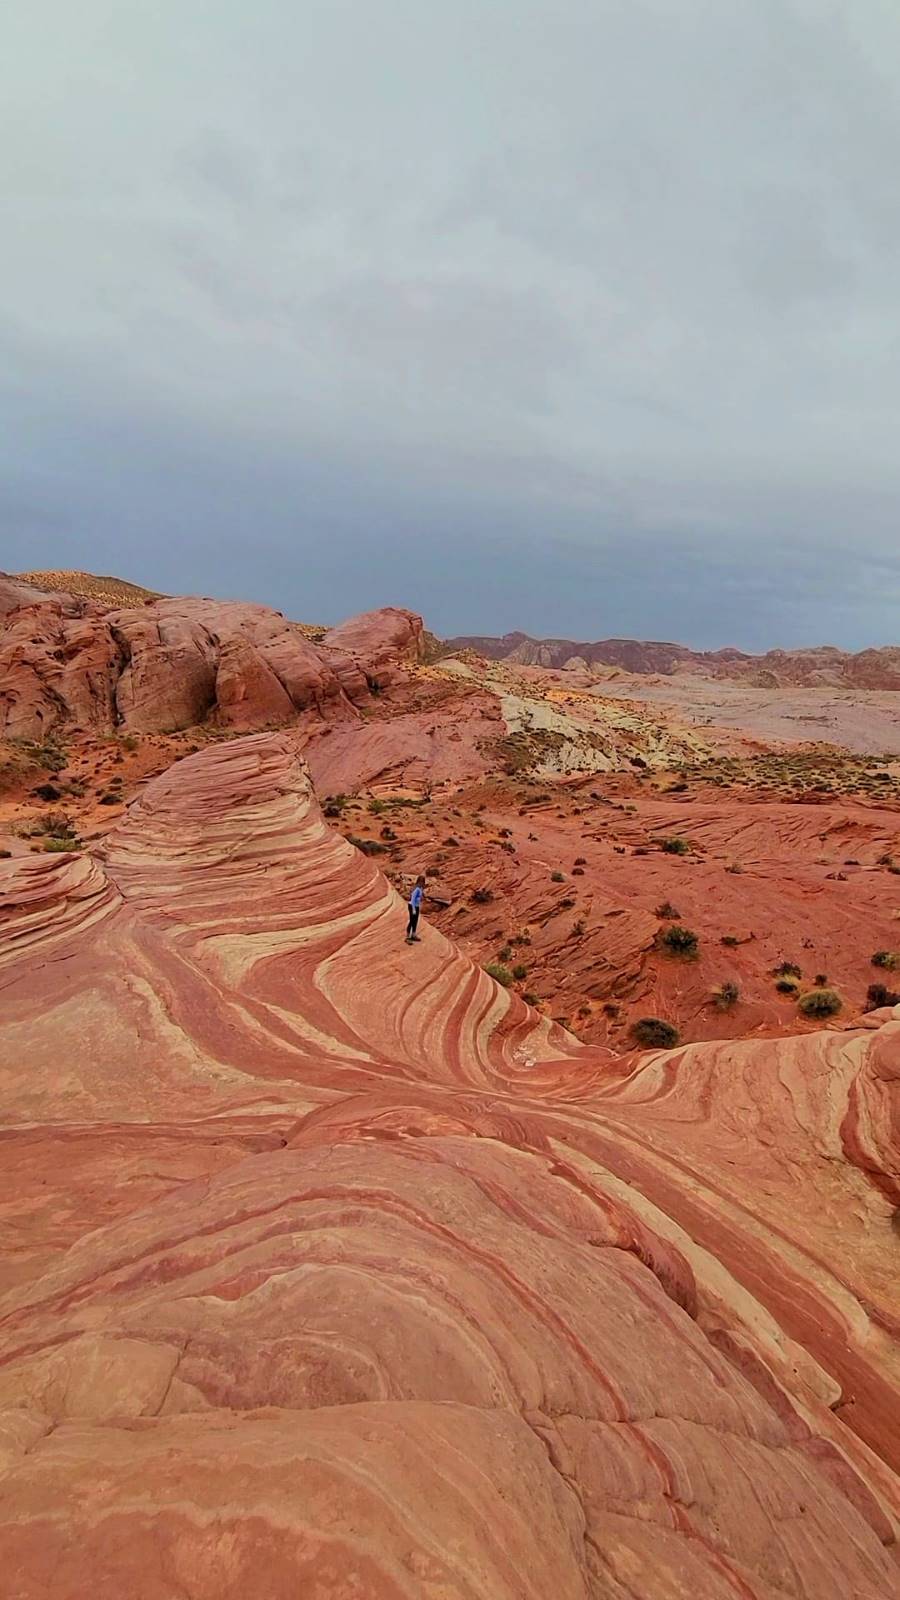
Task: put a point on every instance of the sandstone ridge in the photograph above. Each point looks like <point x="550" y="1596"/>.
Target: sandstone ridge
<point x="334" y="1269"/>
<point x="70" y="663"/>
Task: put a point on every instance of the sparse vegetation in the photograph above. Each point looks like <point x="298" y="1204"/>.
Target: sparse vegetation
<point x="520" y="972"/>
<point x="499" y="973"/>
<point x="878" y="995"/>
<point x="481" y="897"/>
<point x="577" y="928"/>
<point x="557" y="877"/>
<point x="654" y="1034"/>
<point x="787" y="969"/>
<point x="730" y="939"/>
<point x="787" y="985"/>
<point x="820" y="1003"/>
<point x="667" y="912"/>
<point x="679" y="941"/>
<point x="889" y="960"/>
<point x="675" y="846"/>
<point x="726" y="995"/>
<point x="369" y="847"/>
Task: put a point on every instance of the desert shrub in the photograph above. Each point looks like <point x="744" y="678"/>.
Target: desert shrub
<point x="499" y="973"/>
<point x="654" y="1034"/>
<point x="557" y="877"/>
<point x="520" y="938"/>
<point x="62" y="844"/>
<point x="504" y="954"/>
<point x="530" y="998"/>
<point x="787" y="984"/>
<point x="578" y="872"/>
<point x="729" y="939"/>
<point x="481" y="897"/>
<point x="787" y="969"/>
<point x="369" y="847"/>
<point x="577" y="928"/>
<point x="726" y="995"/>
<point x="820" y="1003"/>
<point x="888" y="959"/>
<point x="130" y="742"/>
<point x="679" y="941"/>
<point x="519" y="972"/>
<point x="667" y="912"/>
<point x="581" y="861"/>
<point x="454" y="843"/>
<point x="735" y="867"/>
<point x="377" y="807"/>
<point x="5" y="855"/>
<point x="676" y="846"/>
<point x="47" y="791"/>
<point x="567" y="903"/>
<point x="335" y="805"/>
<point x="110" y="799"/>
<point x="639" y="850"/>
<point x="878" y="994"/>
<point x="820" y="981"/>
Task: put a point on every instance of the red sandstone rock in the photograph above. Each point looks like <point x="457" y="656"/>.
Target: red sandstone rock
<point x="158" y="667"/>
<point x="486" y="1314"/>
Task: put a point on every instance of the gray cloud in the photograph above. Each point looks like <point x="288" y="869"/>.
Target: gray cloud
<point x="582" y="317"/>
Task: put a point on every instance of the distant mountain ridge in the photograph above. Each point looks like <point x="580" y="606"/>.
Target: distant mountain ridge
<point x="823" y="665"/>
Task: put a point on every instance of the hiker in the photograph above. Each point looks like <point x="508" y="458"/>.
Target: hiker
<point x="415" y="906"/>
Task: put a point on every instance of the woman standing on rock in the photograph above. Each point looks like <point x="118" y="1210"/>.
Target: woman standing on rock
<point x="415" y="906"/>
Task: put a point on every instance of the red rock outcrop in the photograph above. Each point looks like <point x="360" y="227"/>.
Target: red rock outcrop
<point x="171" y="664"/>
<point x="333" y="1269"/>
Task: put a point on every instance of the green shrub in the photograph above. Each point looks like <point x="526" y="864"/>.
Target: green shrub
<point x="377" y="807"/>
<point x="888" y="959"/>
<point x="654" y="1034"/>
<point x="730" y="939"/>
<point x="787" y="984"/>
<point x="787" y="969"/>
<point x="499" y="973"/>
<point x="820" y="1003"/>
<point x="530" y="998"/>
<point x="679" y="941"/>
<point x="481" y="897"/>
<point x="504" y="954"/>
<point x="519" y="972"/>
<point x="62" y="844"/>
<point x="557" y="877"/>
<point x="667" y="912"/>
<point x="676" y="846"/>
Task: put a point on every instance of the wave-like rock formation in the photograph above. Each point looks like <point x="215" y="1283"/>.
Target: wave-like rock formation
<point x="67" y="662"/>
<point x="825" y="665"/>
<point x="332" y="1269"/>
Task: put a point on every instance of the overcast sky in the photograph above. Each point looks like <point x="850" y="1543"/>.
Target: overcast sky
<point x="580" y="316"/>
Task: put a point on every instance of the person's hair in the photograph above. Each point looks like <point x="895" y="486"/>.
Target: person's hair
<point x="421" y="879"/>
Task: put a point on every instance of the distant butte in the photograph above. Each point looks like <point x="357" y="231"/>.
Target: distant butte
<point x="823" y="666"/>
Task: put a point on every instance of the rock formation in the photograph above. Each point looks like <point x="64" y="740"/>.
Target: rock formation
<point x="72" y="663"/>
<point x="868" y="669"/>
<point x="332" y="1269"/>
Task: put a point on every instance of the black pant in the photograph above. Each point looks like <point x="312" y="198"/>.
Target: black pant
<point x="413" y="921"/>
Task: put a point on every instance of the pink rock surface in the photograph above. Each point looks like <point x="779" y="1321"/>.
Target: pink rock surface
<point x="171" y="664"/>
<point x="334" y="1270"/>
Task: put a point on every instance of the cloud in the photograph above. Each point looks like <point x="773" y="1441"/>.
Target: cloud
<point x="550" y="312"/>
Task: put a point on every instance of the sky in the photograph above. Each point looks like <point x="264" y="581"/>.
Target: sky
<point x="575" y="316"/>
